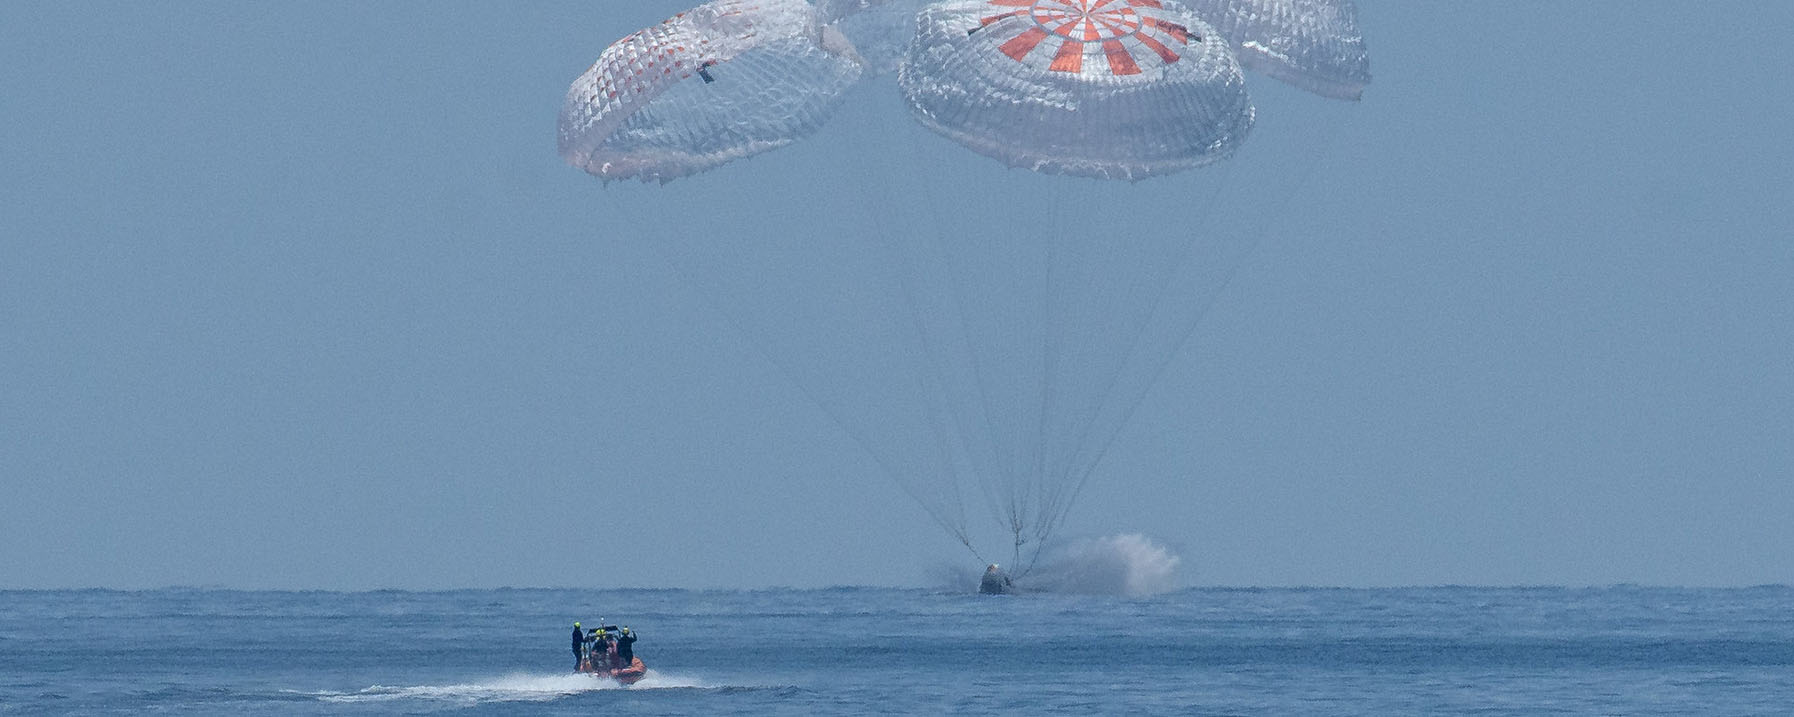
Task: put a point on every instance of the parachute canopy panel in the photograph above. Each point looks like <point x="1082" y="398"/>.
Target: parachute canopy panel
<point x="1312" y="44"/>
<point x="726" y="80"/>
<point x="1123" y="89"/>
<point x="880" y="30"/>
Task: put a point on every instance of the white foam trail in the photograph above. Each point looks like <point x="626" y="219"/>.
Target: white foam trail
<point x="510" y="688"/>
<point x="1129" y="564"/>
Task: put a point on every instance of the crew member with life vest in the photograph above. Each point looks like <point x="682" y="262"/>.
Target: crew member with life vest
<point x="625" y="649"/>
<point x="604" y="649"/>
<point x="579" y="645"/>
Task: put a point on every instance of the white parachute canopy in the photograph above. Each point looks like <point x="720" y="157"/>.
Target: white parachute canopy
<point x="722" y="81"/>
<point x="1095" y="89"/>
<point x="881" y="30"/>
<point x="1311" y="44"/>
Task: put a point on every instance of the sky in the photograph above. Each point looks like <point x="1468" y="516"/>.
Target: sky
<point x="300" y="296"/>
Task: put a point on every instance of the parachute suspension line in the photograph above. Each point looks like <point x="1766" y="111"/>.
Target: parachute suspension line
<point x="1074" y="272"/>
<point x="1013" y="476"/>
<point x="934" y="394"/>
<point x="1130" y="406"/>
<point x="1254" y="240"/>
<point x="917" y="257"/>
<point x="1118" y="281"/>
<point x="791" y="375"/>
<point x="999" y="481"/>
<point x="1044" y="476"/>
<point x="1082" y="470"/>
<point x="1078" y="472"/>
<point x="1023" y="479"/>
<point x="994" y="464"/>
<point x="1036" y="478"/>
<point x="912" y="252"/>
<point x="918" y="253"/>
<point x="988" y="462"/>
<point x="939" y="398"/>
<point x="992" y="467"/>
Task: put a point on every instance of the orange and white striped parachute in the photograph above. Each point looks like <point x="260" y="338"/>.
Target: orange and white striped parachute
<point x="1312" y="44"/>
<point x="722" y="81"/>
<point x="1123" y="89"/>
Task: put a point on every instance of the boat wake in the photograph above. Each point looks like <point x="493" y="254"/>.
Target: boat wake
<point x="510" y="688"/>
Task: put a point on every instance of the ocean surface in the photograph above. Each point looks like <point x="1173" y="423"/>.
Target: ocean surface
<point x="1519" y="651"/>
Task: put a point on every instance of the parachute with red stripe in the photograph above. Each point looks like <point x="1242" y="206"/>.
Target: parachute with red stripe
<point x="1122" y="89"/>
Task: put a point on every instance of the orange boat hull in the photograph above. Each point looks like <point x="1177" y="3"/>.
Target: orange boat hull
<point x="629" y="675"/>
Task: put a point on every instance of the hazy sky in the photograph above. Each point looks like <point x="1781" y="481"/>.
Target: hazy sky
<point x="300" y="296"/>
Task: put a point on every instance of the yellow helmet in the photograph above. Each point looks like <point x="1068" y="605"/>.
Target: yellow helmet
<point x="576" y="624"/>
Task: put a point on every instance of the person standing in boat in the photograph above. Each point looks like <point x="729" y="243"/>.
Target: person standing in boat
<point x="599" y="652"/>
<point x="625" y="649"/>
<point x="579" y="646"/>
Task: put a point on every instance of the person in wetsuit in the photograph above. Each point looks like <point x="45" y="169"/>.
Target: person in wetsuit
<point x="625" y="649"/>
<point x="579" y="646"/>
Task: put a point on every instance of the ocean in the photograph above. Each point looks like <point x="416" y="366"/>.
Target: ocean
<point x="1425" y="651"/>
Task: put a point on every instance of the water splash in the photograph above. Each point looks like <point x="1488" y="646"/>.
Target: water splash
<point x="510" y="688"/>
<point x="1128" y="564"/>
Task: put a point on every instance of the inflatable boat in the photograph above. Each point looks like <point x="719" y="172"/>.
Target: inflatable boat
<point x="601" y="659"/>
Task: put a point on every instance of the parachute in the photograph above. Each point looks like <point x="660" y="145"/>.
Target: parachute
<point x="880" y="30"/>
<point x="1092" y="89"/>
<point x="1314" y="45"/>
<point x="726" y="80"/>
<point x="983" y="333"/>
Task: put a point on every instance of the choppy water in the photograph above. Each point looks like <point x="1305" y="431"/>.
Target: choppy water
<point x="1622" y="650"/>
